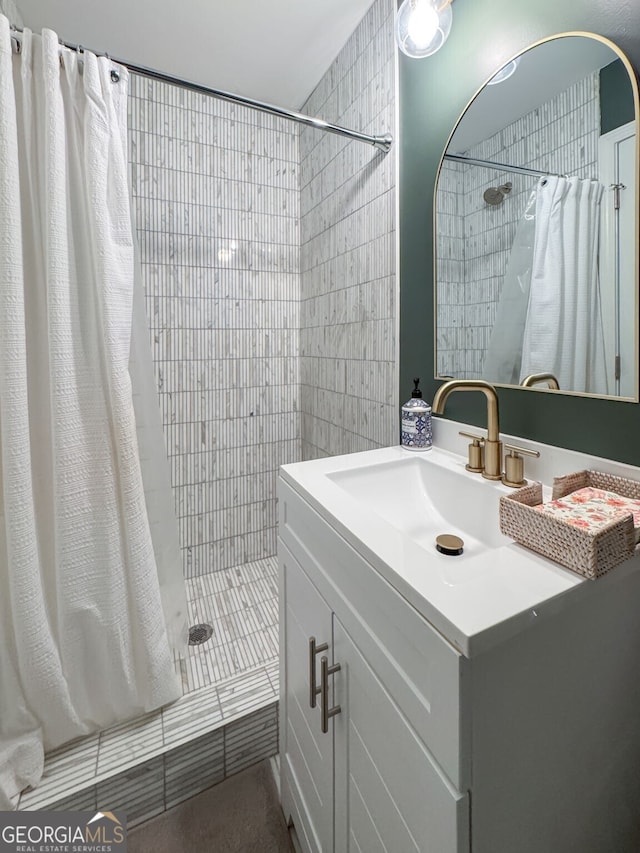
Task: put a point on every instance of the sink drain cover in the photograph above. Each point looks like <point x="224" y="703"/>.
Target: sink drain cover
<point x="449" y="544"/>
<point x="199" y="634"/>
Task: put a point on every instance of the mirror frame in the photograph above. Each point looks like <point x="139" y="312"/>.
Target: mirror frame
<point x="633" y="78"/>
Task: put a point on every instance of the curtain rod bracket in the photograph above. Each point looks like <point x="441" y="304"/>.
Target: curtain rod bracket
<point x="383" y="143"/>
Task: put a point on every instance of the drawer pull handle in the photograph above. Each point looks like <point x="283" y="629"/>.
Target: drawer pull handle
<point x="326" y="711"/>
<point x="313" y="651"/>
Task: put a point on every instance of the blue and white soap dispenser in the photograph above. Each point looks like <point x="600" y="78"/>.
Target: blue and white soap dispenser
<point x="416" y="431"/>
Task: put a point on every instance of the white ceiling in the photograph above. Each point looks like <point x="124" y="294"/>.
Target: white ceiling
<point x="544" y="71"/>
<point x="275" y="51"/>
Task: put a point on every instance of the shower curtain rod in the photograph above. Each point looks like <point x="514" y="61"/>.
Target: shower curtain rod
<point x="503" y="167"/>
<point x="383" y="143"/>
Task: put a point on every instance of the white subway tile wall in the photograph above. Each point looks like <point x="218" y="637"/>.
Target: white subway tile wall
<point x="475" y="238"/>
<point x="216" y="200"/>
<point x="348" y="286"/>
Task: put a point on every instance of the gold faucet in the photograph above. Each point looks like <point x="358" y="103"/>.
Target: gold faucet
<point x="492" y="445"/>
<point x="536" y="378"/>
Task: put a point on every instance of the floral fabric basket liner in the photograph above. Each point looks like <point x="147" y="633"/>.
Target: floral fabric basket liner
<point x="591" y="524"/>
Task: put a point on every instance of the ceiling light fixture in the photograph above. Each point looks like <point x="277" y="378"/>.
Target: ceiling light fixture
<point x="422" y="26"/>
<point x="504" y="72"/>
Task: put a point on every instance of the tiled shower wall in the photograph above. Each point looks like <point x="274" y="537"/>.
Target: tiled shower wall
<point x="475" y="238"/>
<point x="216" y="200"/>
<point x="348" y="307"/>
<point x="268" y="257"/>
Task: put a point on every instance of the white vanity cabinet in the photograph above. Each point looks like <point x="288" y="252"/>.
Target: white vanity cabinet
<point x="539" y="731"/>
<point x="371" y="781"/>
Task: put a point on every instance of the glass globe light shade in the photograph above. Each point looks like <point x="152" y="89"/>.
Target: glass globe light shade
<point x="504" y="72"/>
<point x="421" y="27"/>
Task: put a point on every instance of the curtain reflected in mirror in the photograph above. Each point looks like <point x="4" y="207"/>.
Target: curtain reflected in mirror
<point x="536" y="227"/>
<point x="549" y="317"/>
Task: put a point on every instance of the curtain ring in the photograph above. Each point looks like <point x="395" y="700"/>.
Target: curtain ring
<point x="80" y="51"/>
<point x="115" y="74"/>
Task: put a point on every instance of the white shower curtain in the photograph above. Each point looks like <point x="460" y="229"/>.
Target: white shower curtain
<point x="83" y="641"/>
<point x="503" y="360"/>
<point x="563" y="331"/>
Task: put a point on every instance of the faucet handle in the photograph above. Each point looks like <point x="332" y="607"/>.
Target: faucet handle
<point x="476" y="452"/>
<point x="473" y="436"/>
<point x="514" y="450"/>
<point x="514" y="465"/>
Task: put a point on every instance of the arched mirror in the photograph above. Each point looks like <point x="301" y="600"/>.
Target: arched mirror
<point x="536" y="225"/>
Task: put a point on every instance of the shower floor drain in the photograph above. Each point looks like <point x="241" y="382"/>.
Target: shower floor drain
<point x="199" y="634"/>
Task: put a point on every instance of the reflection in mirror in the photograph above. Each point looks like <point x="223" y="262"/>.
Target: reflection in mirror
<point x="536" y="264"/>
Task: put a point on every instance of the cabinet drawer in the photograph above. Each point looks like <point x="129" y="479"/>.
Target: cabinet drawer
<point x="418" y="667"/>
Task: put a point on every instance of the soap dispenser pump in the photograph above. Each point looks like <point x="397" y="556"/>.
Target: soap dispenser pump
<point x="416" y="431"/>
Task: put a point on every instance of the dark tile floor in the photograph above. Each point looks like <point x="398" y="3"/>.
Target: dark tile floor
<point x="240" y="815"/>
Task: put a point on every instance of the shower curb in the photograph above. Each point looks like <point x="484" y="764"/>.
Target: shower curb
<point x="148" y="781"/>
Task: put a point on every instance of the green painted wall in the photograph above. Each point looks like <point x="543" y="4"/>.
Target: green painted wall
<point x="616" y="97"/>
<point x="433" y="93"/>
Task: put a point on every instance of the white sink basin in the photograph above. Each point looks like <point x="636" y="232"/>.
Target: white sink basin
<point x="390" y="504"/>
<point x="424" y="496"/>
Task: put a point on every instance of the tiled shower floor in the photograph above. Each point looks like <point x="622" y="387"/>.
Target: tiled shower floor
<point x="241" y="605"/>
<point x="226" y="719"/>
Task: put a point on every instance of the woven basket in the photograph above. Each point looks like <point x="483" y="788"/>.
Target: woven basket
<point x="590" y="554"/>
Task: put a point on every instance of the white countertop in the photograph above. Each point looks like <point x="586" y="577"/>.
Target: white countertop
<point x="484" y="596"/>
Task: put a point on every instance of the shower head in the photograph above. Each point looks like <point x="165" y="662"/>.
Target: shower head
<point x="495" y="195"/>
